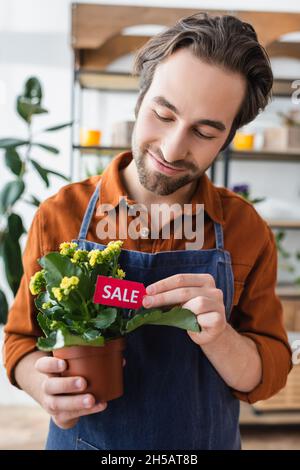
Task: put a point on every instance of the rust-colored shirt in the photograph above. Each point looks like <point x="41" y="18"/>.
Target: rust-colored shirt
<point x="256" y="312"/>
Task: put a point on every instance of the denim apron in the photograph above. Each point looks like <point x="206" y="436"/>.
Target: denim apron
<point x="173" y="398"/>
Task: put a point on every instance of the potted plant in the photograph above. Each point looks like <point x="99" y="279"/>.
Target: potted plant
<point x="89" y="335"/>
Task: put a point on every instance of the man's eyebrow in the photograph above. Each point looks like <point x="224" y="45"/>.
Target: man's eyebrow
<point x="219" y="125"/>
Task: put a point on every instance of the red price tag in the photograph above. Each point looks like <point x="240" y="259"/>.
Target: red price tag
<point x="119" y="292"/>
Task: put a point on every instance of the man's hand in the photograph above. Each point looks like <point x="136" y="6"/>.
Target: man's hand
<point x="198" y="293"/>
<point x="233" y="355"/>
<point x="38" y="374"/>
<point x="65" y="409"/>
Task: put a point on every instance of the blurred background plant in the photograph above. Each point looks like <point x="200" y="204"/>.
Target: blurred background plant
<point x="18" y="159"/>
<point x="244" y="191"/>
<point x="290" y="118"/>
<point x="98" y="170"/>
<point x="286" y="260"/>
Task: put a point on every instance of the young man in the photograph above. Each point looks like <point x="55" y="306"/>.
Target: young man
<point x="200" y="80"/>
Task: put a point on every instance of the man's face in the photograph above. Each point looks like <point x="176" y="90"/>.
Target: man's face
<point x="184" y="119"/>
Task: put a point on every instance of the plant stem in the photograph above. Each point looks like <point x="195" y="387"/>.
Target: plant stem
<point x="85" y="308"/>
<point x="27" y="153"/>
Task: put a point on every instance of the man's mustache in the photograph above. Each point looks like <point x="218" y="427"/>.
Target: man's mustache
<point x="180" y="165"/>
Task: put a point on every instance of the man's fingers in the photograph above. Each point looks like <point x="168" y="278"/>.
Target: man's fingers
<point x="181" y="280"/>
<point x="67" y="420"/>
<point x="173" y="297"/>
<point x="64" y="424"/>
<point x="124" y="362"/>
<point x="54" y="404"/>
<point x="63" y="385"/>
<point x="50" y="365"/>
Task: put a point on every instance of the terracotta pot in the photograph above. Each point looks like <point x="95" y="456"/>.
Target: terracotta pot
<point x="101" y="366"/>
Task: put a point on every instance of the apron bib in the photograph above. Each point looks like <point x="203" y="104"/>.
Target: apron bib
<point x="173" y="398"/>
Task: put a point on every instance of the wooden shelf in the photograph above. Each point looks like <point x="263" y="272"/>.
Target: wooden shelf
<point x="282" y="87"/>
<point x="288" y="290"/>
<point x="243" y="155"/>
<point x="107" y="81"/>
<point x="284" y="224"/>
<point x="96" y="150"/>
<point x="251" y="417"/>
<point x="120" y="81"/>
<point x="265" y="156"/>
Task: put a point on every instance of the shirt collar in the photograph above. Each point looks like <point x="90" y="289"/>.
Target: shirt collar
<point x="112" y="189"/>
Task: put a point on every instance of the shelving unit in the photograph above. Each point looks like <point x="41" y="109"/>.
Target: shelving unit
<point x="284" y="224"/>
<point x="107" y="81"/>
<point x="97" y="41"/>
<point x="124" y="82"/>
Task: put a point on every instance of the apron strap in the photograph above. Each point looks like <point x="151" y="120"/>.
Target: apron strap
<point x="89" y="213"/>
<point x="219" y="236"/>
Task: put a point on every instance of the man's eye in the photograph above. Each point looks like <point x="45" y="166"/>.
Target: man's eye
<point x="198" y="133"/>
<point x="203" y="136"/>
<point x="161" y="118"/>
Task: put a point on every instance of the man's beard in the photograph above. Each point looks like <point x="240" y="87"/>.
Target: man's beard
<point x="157" y="182"/>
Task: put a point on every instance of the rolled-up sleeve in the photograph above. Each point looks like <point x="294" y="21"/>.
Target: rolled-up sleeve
<point x="22" y="330"/>
<point x="259" y="316"/>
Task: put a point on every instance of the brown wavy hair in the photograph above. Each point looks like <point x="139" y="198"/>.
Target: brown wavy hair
<point x="224" y="41"/>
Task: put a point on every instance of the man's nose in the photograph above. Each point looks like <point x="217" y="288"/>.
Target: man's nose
<point x="175" y="148"/>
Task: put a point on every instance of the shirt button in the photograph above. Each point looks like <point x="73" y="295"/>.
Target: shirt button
<point x="145" y="232"/>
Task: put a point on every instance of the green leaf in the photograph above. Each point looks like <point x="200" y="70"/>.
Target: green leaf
<point x="42" y="298"/>
<point x="52" y="172"/>
<point x="58" y="127"/>
<point x="91" y="334"/>
<point x="34" y="201"/>
<point x="12" y="263"/>
<point x="3" y="308"/>
<point x="13" y="160"/>
<point x="44" y="172"/>
<point x="12" y="142"/>
<point x="62" y="338"/>
<point x="33" y="89"/>
<point x="41" y="171"/>
<point x="10" y="194"/>
<point x="26" y="108"/>
<point x="44" y="323"/>
<point x="55" y="312"/>
<point x="105" y="318"/>
<point x="29" y="102"/>
<point x="48" y="148"/>
<point x="257" y="200"/>
<point x="58" y="266"/>
<point x="177" y="316"/>
<point x="15" y="226"/>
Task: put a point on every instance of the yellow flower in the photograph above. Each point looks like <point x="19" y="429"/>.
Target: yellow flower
<point x="80" y="256"/>
<point x="120" y="274"/>
<point x="57" y="292"/>
<point x="95" y="257"/>
<point x="113" y="249"/>
<point x="101" y="256"/>
<point x="67" y="248"/>
<point x="115" y="244"/>
<point x="46" y="305"/>
<point x="69" y="282"/>
<point x="37" y="282"/>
